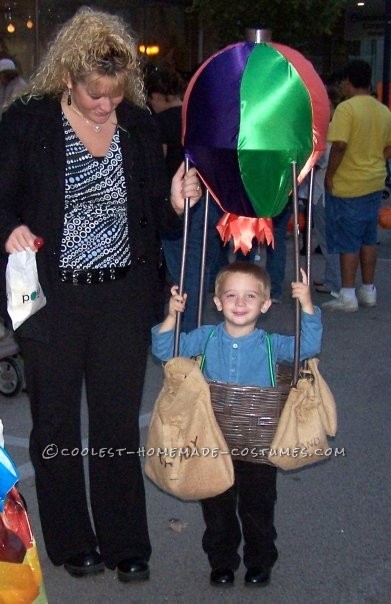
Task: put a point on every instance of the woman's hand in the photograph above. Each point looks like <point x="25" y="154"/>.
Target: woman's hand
<point x="185" y="184"/>
<point x="22" y="238"/>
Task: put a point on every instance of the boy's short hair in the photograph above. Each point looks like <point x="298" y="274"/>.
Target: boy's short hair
<point x="359" y="73"/>
<point x="247" y="268"/>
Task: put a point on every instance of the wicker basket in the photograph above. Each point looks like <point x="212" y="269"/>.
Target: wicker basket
<point x="248" y="415"/>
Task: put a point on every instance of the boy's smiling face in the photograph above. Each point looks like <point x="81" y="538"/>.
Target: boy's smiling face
<point x="241" y="300"/>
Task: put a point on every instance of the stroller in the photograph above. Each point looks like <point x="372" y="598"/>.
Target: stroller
<point x="11" y="365"/>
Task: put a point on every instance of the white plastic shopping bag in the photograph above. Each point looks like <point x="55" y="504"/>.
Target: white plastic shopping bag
<point x="24" y="294"/>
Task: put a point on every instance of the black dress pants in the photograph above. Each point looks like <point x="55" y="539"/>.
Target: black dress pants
<point x="252" y="498"/>
<point x="99" y="337"/>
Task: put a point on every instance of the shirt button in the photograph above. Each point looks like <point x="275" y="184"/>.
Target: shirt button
<point x="234" y="345"/>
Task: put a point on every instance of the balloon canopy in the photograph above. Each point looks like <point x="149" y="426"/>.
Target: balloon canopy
<point x="249" y="112"/>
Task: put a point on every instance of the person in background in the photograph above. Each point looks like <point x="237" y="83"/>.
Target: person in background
<point x="331" y="283"/>
<point x="275" y="254"/>
<point x="11" y="83"/>
<point x="165" y="89"/>
<point x="81" y="166"/>
<point x="360" y="137"/>
<point x="235" y="351"/>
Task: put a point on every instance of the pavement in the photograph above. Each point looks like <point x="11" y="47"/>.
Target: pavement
<point x="332" y="518"/>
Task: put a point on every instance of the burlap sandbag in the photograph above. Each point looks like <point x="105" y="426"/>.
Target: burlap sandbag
<point x="186" y="453"/>
<point x="327" y="407"/>
<point x="308" y="416"/>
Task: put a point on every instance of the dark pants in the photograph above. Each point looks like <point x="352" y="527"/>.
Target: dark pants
<point x="252" y="498"/>
<point x="98" y="337"/>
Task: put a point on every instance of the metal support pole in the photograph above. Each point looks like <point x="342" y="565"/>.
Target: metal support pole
<point x="296" y="361"/>
<point x="309" y="222"/>
<point x="183" y="265"/>
<point x="203" y="259"/>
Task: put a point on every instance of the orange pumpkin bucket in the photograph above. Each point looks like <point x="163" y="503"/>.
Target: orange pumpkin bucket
<point x="384" y="218"/>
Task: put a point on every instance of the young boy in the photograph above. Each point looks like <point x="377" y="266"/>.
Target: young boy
<point x="237" y="353"/>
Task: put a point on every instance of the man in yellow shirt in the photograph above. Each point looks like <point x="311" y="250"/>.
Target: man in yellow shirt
<point x="360" y="133"/>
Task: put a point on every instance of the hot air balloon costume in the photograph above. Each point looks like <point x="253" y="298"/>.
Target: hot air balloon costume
<point x="249" y="112"/>
<point x="254" y="123"/>
<point x="255" y="118"/>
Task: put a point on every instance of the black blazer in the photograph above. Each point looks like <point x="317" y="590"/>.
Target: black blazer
<point x="32" y="181"/>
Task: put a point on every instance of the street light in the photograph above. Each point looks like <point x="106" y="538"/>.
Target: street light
<point x="149" y="49"/>
<point x="8" y="15"/>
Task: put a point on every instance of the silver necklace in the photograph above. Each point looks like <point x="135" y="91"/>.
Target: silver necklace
<point x="96" y="127"/>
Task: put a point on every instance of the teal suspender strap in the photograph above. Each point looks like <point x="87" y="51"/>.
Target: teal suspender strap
<point x="270" y="360"/>
<point x="203" y="358"/>
<point x="269" y="357"/>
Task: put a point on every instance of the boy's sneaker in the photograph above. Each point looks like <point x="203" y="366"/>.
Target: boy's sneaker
<point x="367" y="298"/>
<point x="341" y="303"/>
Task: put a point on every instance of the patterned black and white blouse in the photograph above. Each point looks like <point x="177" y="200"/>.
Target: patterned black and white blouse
<point x="95" y="233"/>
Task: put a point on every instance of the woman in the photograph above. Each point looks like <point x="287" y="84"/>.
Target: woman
<point x="82" y="167"/>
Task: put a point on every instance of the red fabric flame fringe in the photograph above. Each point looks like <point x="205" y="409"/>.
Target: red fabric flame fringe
<point x="243" y="229"/>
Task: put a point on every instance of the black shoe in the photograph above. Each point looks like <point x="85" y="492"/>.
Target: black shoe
<point x="87" y="563"/>
<point x="133" y="569"/>
<point x="257" y="576"/>
<point x="222" y="577"/>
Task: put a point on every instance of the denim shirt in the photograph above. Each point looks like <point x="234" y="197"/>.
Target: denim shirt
<point x="242" y="360"/>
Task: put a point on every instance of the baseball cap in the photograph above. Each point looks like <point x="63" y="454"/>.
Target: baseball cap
<point x="7" y="65"/>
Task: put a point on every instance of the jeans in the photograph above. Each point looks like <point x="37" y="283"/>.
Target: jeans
<point x="216" y="258"/>
<point x="276" y="257"/>
<point x="351" y="222"/>
<point x="332" y="270"/>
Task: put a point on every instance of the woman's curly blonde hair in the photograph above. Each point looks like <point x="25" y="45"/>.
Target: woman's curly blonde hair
<point x="91" y="41"/>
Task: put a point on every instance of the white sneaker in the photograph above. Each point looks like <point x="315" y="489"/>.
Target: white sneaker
<point x="367" y="298"/>
<point x="341" y="303"/>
